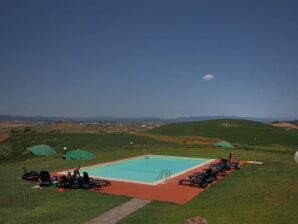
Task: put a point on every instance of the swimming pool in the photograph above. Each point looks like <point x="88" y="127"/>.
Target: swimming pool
<point x="149" y="169"/>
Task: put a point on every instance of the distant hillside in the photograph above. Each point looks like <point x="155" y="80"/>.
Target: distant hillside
<point x="50" y="119"/>
<point x="234" y="130"/>
<point x="286" y="124"/>
<point x="14" y="147"/>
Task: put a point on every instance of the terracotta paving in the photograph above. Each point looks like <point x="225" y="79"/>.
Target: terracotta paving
<point x="169" y="191"/>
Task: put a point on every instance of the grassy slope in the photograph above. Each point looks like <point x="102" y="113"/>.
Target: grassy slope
<point x="237" y="131"/>
<point x="19" y="203"/>
<point x="92" y="142"/>
<point x="254" y="194"/>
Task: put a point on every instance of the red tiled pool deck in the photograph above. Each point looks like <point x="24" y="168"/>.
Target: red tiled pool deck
<point x="169" y="191"/>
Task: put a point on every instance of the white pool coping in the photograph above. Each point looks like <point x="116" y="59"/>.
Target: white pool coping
<point x="142" y="182"/>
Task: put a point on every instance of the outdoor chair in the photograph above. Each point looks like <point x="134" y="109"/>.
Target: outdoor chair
<point x="234" y="165"/>
<point x="194" y="182"/>
<point x="45" y="179"/>
<point x="70" y="181"/>
<point x="31" y="176"/>
<point x="88" y="182"/>
<point x="207" y="175"/>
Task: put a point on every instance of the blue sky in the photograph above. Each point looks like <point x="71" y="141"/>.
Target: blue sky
<point x="148" y="58"/>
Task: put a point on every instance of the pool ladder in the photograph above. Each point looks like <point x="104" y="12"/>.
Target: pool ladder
<point x="164" y="174"/>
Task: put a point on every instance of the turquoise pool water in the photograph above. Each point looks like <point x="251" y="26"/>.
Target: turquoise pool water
<point x="144" y="169"/>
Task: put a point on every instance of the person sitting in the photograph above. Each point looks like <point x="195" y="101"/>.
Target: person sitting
<point x="230" y="157"/>
<point x="233" y="164"/>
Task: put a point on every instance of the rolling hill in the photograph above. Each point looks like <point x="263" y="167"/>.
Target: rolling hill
<point x="234" y="130"/>
<point x="14" y="147"/>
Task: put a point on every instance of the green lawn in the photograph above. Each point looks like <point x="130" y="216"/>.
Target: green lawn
<point x="254" y="194"/>
<point x="19" y="142"/>
<point x="236" y="131"/>
<point x="19" y="203"/>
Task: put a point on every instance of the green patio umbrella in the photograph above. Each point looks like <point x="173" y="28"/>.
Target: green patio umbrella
<point x="78" y="154"/>
<point x="224" y="144"/>
<point x="42" y="150"/>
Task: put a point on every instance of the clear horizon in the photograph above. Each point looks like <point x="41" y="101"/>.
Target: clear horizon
<point x="164" y="59"/>
<point x="155" y="117"/>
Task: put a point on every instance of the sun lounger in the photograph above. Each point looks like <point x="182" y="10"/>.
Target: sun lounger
<point x="45" y="179"/>
<point x="87" y="182"/>
<point x="31" y="176"/>
<point x="77" y="181"/>
<point x="70" y="181"/>
<point x="194" y="182"/>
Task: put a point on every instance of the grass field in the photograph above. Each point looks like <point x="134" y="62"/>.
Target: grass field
<point x="236" y="131"/>
<point x="19" y="142"/>
<point x="254" y="194"/>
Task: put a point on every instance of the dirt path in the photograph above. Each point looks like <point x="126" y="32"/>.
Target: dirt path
<point x="285" y="125"/>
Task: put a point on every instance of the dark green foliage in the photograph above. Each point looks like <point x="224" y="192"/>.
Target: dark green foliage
<point x="27" y="129"/>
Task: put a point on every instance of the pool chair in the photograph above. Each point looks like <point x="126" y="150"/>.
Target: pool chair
<point x="31" y="176"/>
<point x="88" y="183"/>
<point x="227" y="165"/>
<point x="233" y="165"/>
<point x="70" y="181"/>
<point x="230" y="164"/>
<point x="45" y="179"/>
<point x="193" y="182"/>
<point x="63" y="182"/>
<point x="219" y="169"/>
<point x="73" y="181"/>
<point x="222" y="163"/>
<point x="207" y="175"/>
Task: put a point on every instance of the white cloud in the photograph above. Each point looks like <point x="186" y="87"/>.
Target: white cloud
<point x="208" y="77"/>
